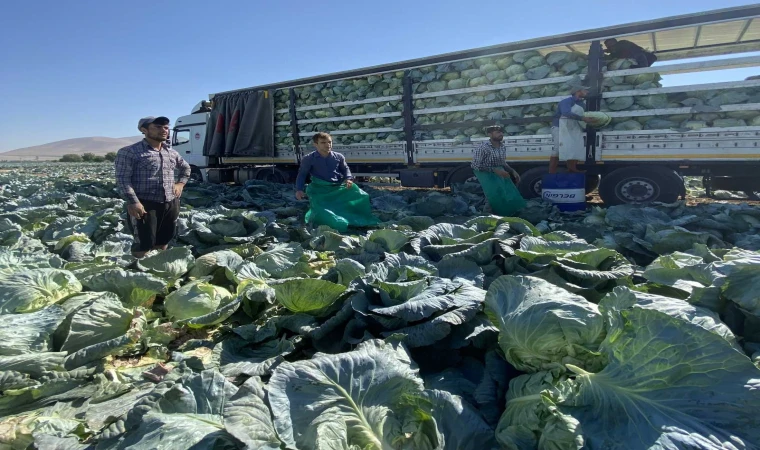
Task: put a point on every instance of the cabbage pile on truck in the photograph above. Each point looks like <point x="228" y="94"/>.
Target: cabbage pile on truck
<point x="430" y="81"/>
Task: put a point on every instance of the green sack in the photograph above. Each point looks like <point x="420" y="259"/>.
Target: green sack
<point x="501" y="193"/>
<point x="337" y="206"/>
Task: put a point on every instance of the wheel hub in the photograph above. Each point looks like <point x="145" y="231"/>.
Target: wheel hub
<point x="637" y="190"/>
<point x="537" y="188"/>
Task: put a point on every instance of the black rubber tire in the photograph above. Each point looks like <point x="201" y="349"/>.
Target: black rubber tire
<point x="271" y="174"/>
<point x="640" y="184"/>
<point x="530" y="182"/>
<point x="195" y="175"/>
<point x="459" y="176"/>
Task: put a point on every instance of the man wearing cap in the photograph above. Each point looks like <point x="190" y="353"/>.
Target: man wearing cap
<point x="489" y="162"/>
<point x="145" y="177"/>
<point x="567" y="132"/>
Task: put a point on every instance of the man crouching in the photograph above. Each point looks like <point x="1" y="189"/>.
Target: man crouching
<point x="334" y="199"/>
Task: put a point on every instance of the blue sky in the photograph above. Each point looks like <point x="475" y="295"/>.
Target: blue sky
<point x="92" y="68"/>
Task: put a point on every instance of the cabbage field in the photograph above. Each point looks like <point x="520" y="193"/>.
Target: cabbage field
<point x="630" y="327"/>
<point x="332" y="107"/>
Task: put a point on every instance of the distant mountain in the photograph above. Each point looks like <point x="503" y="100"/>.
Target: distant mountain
<point x="98" y="145"/>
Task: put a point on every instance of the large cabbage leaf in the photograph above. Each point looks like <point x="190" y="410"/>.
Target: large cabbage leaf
<point x="742" y="281"/>
<point x="304" y="295"/>
<point x="100" y="320"/>
<point x="195" y="299"/>
<point x="31" y="332"/>
<point x="234" y="357"/>
<point x="691" y="390"/>
<point x="199" y="411"/>
<point x="525" y="420"/>
<point x="544" y="327"/>
<point x="690" y="277"/>
<point x="459" y="423"/>
<point x="369" y="398"/>
<point x="34" y="289"/>
<point x="133" y="288"/>
<point x="279" y="258"/>
<point x="169" y="264"/>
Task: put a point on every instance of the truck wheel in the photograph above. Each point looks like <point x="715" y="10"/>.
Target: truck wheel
<point x="271" y="174"/>
<point x="640" y="185"/>
<point x="530" y="182"/>
<point x="460" y="176"/>
<point x="196" y="175"/>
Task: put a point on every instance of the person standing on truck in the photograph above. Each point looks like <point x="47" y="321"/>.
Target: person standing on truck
<point x="334" y="199"/>
<point x="628" y="50"/>
<point x="145" y="177"/>
<point x="498" y="179"/>
<point x="567" y="133"/>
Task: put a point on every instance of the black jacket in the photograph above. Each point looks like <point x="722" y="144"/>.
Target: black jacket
<point x="628" y="50"/>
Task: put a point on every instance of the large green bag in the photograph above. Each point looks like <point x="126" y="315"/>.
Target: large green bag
<point x="337" y="206"/>
<point x="501" y="193"/>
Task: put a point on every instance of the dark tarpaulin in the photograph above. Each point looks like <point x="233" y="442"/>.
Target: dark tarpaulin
<point x="241" y="124"/>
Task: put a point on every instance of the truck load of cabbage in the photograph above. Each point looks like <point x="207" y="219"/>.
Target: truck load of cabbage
<point x="383" y="122"/>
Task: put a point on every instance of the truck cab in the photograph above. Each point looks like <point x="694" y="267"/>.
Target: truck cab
<point x="188" y="136"/>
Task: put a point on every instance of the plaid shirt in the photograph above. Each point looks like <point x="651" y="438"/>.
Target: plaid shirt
<point x="142" y="173"/>
<point x="487" y="158"/>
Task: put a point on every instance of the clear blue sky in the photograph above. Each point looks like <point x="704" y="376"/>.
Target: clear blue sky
<point x="93" y="67"/>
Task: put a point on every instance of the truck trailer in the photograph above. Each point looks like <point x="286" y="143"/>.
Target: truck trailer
<point x="419" y="121"/>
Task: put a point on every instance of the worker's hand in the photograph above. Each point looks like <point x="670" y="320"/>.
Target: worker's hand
<point x="299" y="195"/>
<point x="501" y="172"/>
<point x="136" y="210"/>
<point x="588" y="119"/>
<point x="178" y="187"/>
<point x="515" y="177"/>
<point x="349" y="183"/>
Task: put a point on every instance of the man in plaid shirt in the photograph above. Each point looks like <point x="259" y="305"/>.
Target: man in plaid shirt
<point x="491" y="157"/>
<point x="145" y="177"/>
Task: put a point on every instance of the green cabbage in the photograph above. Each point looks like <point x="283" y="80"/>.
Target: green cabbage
<point x="196" y="299"/>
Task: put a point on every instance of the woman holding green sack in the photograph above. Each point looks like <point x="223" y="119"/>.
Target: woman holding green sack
<point x="490" y="165"/>
<point x="334" y="199"/>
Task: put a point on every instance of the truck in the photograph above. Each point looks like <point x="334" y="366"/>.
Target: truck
<point x="418" y="121"/>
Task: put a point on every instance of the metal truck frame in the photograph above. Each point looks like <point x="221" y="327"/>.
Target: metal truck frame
<point x="626" y="166"/>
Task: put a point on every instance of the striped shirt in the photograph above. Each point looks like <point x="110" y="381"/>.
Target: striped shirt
<point x="487" y="158"/>
<point x="142" y="173"/>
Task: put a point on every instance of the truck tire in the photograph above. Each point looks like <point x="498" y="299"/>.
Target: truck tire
<point x="640" y="184"/>
<point x="196" y="175"/>
<point x="272" y="175"/>
<point x="459" y="176"/>
<point x="530" y="182"/>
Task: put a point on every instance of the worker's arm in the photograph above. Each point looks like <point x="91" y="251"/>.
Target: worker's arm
<point x="512" y="172"/>
<point x="343" y="167"/>
<point x="303" y="172"/>
<point x="346" y="172"/>
<point x="124" y="165"/>
<point x="565" y="110"/>
<point x="184" y="166"/>
<point x="613" y="54"/>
